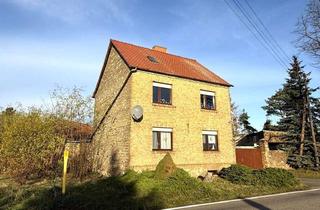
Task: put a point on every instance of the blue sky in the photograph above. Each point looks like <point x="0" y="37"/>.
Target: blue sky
<point x="48" y="42"/>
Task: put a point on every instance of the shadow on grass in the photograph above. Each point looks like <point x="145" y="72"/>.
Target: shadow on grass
<point x="107" y="193"/>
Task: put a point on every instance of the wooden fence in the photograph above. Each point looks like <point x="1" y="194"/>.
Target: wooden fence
<point x="249" y="156"/>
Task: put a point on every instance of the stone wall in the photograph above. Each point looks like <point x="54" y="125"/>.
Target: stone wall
<point x="187" y="120"/>
<point x="111" y="141"/>
<point x="273" y="158"/>
<point x="278" y="159"/>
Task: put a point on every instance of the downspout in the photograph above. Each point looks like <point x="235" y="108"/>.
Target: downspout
<point x="132" y="70"/>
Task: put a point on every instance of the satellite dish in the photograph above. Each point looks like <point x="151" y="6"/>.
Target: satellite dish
<point x="137" y="113"/>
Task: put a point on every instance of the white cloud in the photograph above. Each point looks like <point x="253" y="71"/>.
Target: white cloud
<point x="76" y="11"/>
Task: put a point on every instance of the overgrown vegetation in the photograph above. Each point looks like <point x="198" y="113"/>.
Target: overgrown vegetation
<point x="29" y="144"/>
<point x="136" y="191"/>
<point x="32" y="139"/>
<point x="168" y="186"/>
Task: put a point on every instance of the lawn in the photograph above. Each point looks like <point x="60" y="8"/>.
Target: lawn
<point x="130" y="191"/>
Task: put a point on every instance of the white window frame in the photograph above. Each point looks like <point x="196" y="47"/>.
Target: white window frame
<point x="208" y="93"/>
<point x="162" y="130"/>
<point x="211" y="133"/>
<point x="156" y="84"/>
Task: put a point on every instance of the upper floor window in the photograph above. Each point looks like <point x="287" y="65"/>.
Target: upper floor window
<point x="162" y="93"/>
<point x="207" y="99"/>
<point x="162" y="138"/>
<point x="210" y="140"/>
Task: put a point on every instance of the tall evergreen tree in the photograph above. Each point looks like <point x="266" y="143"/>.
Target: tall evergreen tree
<point x="290" y="104"/>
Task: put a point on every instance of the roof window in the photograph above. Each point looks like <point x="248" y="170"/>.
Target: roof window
<point x="152" y="59"/>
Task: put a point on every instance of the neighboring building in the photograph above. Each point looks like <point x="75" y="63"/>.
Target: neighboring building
<point x="262" y="150"/>
<point x="76" y="132"/>
<point x="186" y="112"/>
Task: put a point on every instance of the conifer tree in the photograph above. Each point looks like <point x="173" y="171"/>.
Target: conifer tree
<point x="291" y="104"/>
<point x="245" y="124"/>
<point x="268" y="126"/>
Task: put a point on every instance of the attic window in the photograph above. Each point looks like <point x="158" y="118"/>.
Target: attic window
<point x="152" y="59"/>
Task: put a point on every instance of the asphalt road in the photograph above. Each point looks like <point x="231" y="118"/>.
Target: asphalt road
<point x="306" y="200"/>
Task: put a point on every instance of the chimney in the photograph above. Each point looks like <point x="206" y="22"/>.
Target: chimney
<point x="159" y="48"/>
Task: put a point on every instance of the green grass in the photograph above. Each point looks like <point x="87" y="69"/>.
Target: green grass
<point x="130" y="191"/>
<point x="303" y="173"/>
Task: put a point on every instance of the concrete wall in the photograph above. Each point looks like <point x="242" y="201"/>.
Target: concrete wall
<point x="188" y="121"/>
<point x="111" y="141"/>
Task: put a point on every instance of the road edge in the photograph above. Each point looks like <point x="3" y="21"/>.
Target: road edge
<point x="240" y="199"/>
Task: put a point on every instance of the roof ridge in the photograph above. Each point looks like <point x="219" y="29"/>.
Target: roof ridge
<point x="192" y="59"/>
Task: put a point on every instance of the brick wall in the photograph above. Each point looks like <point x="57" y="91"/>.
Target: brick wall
<point x="187" y="120"/>
<point x="111" y="141"/>
<point x="120" y="143"/>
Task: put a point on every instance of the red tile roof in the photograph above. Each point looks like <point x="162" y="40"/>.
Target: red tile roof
<point x="137" y="57"/>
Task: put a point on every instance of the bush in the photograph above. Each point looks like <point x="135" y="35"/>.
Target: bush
<point x="237" y="174"/>
<point x="271" y="177"/>
<point x="274" y="177"/>
<point x="29" y="144"/>
<point x="180" y="174"/>
<point x="180" y="187"/>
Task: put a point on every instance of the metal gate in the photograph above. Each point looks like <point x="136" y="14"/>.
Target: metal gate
<point x="249" y="156"/>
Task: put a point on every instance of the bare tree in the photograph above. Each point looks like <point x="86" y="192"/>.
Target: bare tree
<point x="235" y="121"/>
<point x="71" y="105"/>
<point x="308" y="30"/>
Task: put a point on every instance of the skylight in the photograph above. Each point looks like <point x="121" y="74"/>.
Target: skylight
<point x="152" y="59"/>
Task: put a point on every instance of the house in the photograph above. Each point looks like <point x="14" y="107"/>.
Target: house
<point x="262" y="149"/>
<point x="186" y="112"/>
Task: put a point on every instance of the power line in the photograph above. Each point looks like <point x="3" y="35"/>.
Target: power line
<point x="253" y="33"/>
<point x="257" y="29"/>
<point x="268" y="32"/>
<point x="250" y="25"/>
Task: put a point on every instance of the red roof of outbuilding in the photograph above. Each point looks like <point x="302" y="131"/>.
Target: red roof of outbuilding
<point x="137" y="57"/>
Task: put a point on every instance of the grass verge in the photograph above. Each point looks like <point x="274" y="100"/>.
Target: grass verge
<point x="130" y="191"/>
<point x="304" y="173"/>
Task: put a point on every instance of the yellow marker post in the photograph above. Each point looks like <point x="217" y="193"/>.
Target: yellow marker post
<point x="65" y="164"/>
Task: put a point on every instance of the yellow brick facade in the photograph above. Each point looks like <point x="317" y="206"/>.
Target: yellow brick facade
<point x="187" y="120"/>
<point x="133" y="140"/>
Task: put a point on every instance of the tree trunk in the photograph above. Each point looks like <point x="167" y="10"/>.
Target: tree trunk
<point x="303" y="126"/>
<point x="313" y="134"/>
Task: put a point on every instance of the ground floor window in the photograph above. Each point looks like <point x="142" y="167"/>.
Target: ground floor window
<point x="210" y="140"/>
<point x="162" y="138"/>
